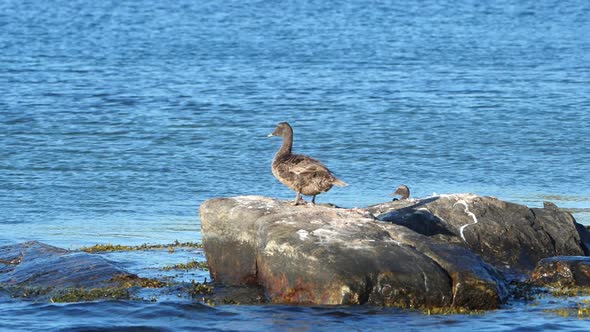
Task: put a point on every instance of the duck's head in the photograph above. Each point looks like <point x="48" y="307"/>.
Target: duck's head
<point x="403" y="191"/>
<point x="282" y="129"/>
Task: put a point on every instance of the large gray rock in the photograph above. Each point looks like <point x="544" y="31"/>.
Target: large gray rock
<point x="510" y="236"/>
<point x="325" y="255"/>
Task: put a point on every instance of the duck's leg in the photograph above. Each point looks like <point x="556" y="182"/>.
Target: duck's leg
<point x="313" y="200"/>
<point x="298" y="199"/>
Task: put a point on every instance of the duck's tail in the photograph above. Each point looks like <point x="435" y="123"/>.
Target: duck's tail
<point x="340" y="183"/>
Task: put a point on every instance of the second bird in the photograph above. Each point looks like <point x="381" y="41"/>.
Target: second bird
<point x="301" y="173"/>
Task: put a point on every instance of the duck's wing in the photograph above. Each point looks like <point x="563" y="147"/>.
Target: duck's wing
<point x="301" y="164"/>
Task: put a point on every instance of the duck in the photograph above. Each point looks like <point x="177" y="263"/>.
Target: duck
<point x="303" y="174"/>
<point x="403" y="191"/>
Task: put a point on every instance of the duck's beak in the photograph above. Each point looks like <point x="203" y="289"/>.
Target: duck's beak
<point x="270" y="135"/>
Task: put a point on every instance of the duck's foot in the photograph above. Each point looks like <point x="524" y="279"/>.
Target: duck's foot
<point x="299" y="202"/>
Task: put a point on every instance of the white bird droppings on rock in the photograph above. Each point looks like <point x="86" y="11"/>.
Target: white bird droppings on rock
<point x="302" y="234"/>
<point x="469" y="213"/>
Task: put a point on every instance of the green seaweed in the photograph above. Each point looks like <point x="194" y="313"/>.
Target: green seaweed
<point x="116" y="247"/>
<point x="196" y="289"/>
<point x="570" y="291"/>
<point x="106" y="248"/>
<point x="452" y="311"/>
<point x="188" y="266"/>
<point x="84" y="295"/>
<point x="582" y="311"/>
<point x="131" y="280"/>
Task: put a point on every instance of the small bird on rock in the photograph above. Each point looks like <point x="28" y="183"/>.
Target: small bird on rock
<point x="403" y="191"/>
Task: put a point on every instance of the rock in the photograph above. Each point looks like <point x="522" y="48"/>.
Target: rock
<point x="562" y="271"/>
<point x="510" y="236"/>
<point x="584" y="232"/>
<point x="38" y="265"/>
<point x="325" y="255"/>
<point x="47" y="273"/>
<point x="550" y="206"/>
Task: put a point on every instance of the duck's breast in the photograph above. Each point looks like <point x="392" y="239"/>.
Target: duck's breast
<point x="282" y="172"/>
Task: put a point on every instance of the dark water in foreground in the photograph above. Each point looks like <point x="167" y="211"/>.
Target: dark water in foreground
<point x="173" y="316"/>
<point x="118" y="118"/>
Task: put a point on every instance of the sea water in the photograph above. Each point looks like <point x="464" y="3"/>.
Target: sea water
<point x="119" y="118"/>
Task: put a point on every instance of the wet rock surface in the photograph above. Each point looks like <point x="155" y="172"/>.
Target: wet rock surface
<point x="563" y="271"/>
<point x="325" y="255"/>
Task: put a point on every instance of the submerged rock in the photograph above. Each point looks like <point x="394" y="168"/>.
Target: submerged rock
<point x="41" y="265"/>
<point x="38" y="271"/>
<point x="510" y="236"/>
<point x="325" y="255"/>
<point x="563" y="271"/>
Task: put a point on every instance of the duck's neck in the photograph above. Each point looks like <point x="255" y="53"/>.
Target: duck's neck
<point x="285" y="149"/>
<point x="405" y="193"/>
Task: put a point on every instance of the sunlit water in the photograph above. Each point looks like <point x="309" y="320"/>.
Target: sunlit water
<point x="119" y="118"/>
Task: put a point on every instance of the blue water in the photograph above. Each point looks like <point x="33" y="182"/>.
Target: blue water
<point x="118" y="118"/>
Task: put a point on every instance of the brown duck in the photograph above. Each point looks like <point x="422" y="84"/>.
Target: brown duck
<point x="403" y="191"/>
<point x="299" y="172"/>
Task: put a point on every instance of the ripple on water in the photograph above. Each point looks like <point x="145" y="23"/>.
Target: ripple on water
<point x="117" y="120"/>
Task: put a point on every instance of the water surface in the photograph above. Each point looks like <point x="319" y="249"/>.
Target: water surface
<point x="119" y="118"/>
